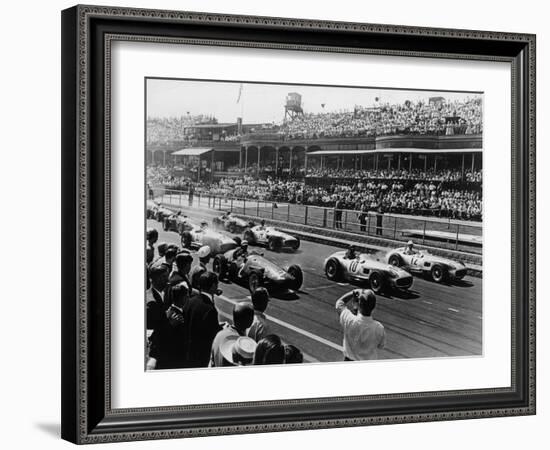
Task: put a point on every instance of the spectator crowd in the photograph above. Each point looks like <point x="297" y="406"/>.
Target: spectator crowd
<point x="416" y="193"/>
<point x="182" y="318"/>
<point x="455" y="117"/>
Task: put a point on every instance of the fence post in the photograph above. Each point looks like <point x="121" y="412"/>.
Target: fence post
<point x="457" y="230"/>
<point x="394" y="227"/>
<point x="288" y="213"/>
<point x="368" y="224"/>
<point x="346" y="220"/>
<point x="244" y="206"/>
<point x="180" y="198"/>
<point x="424" y="233"/>
<point x="258" y="208"/>
<point x="305" y="216"/>
<point x="324" y="217"/>
<point x="272" y="210"/>
<point x="231" y="204"/>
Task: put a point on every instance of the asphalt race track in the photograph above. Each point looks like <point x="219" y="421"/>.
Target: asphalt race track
<point x="430" y="320"/>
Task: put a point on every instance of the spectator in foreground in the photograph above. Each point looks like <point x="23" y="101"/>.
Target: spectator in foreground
<point x="243" y="314"/>
<point x="363" y="335"/>
<point x="155" y="303"/>
<point x="259" y="328"/>
<point x="238" y="351"/>
<point x="293" y="355"/>
<point x="204" y="258"/>
<point x="201" y="321"/>
<point x="179" y="274"/>
<point x="270" y="350"/>
<point x="168" y="341"/>
<point x="152" y="238"/>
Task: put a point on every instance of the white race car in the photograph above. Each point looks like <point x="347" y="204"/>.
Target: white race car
<point x="364" y="268"/>
<point x="274" y="239"/>
<point x="437" y="268"/>
<point x="196" y="236"/>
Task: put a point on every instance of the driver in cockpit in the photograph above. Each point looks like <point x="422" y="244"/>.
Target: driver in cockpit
<point x="409" y="249"/>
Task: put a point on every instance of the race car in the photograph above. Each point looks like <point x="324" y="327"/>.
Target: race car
<point x="255" y="271"/>
<point x="157" y="211"/>
<point x="230" y="223"/>
<point x="274" y="240"/>
<point x="363" y="268"/>
<point x="151" y="209"/>
<point x="196" y="236"/>
<point x="177" y="222"/>
<point x="418" y="262"/>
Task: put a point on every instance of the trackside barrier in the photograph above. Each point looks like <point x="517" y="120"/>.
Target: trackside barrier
<point x="445" y="233"/>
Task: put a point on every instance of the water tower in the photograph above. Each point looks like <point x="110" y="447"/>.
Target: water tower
<point x="293" y="106"/>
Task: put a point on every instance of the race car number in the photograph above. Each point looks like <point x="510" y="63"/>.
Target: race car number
<point x="354" y="266"/>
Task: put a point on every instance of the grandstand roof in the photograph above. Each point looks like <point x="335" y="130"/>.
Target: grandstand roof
<point x="396" y="150"/>
<point x="193" y="151"/>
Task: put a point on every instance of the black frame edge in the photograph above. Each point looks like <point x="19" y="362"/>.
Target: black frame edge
<point x="69" y="285"/>
<point x="85" y="415"/>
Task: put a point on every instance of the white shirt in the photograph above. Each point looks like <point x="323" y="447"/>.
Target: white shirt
<point x="363" y="335"/>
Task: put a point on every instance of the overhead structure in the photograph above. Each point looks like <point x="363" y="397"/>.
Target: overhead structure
<point x="293" y="106"/>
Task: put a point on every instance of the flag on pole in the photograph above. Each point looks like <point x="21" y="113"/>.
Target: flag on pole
<point x="240" y="92"/>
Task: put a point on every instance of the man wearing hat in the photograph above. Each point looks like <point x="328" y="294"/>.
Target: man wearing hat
<point x="204" y="257"/>
<point x="243" y="315"/>
<point x="238" y="350"/>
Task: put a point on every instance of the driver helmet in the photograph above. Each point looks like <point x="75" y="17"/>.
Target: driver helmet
<point x="410" y="244"/>
<point x="244" y="245"/>
<point x="262" y="223"/>
<point x="204" y="224"/>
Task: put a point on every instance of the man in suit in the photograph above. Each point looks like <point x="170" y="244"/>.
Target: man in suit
<point x="155" y="298"/>
<point x="201" y="321"/>
<point x="179" y="274"/>
<point x="168" y="342"/>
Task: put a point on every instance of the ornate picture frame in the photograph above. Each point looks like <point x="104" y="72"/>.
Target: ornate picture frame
<point x="87" y="35"/>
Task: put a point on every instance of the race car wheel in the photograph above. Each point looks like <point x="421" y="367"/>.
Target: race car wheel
<point x="395" y="260"/>
<point x="219" y="266"/>
<point x="274" y="244"/>
<point x="438" y="273"/>
<point x="249" y="237"/>
<point x="186" y="239"/>
<point x="295" y="244"/>
<point x="376" y="282"/>
<point x="296" y="272"/>
<point x="254" y="282"/>
<point x="333" y="270"/>
<point x="232" y="271"/>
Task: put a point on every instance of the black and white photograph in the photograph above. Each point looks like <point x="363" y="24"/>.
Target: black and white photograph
<point x="294" y="223"/>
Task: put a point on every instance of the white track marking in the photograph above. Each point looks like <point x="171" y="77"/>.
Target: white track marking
<point x="318" y="287"/>
<point x="453" y="310"/>
<point x="427" y="302"/>
<point x="293" y="328"/>
<point x="307" y="357"/>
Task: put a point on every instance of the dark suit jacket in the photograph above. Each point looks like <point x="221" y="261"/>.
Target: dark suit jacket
<point x="202" y="325"/>
<point x="168" y="341"/>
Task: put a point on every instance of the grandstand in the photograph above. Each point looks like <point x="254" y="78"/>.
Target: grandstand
<point x="316" y="158"/>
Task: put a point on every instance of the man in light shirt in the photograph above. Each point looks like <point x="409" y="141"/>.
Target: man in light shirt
<point x="363" y="335"/>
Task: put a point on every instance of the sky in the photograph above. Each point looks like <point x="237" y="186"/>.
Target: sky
<point x="264" y="103"/>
